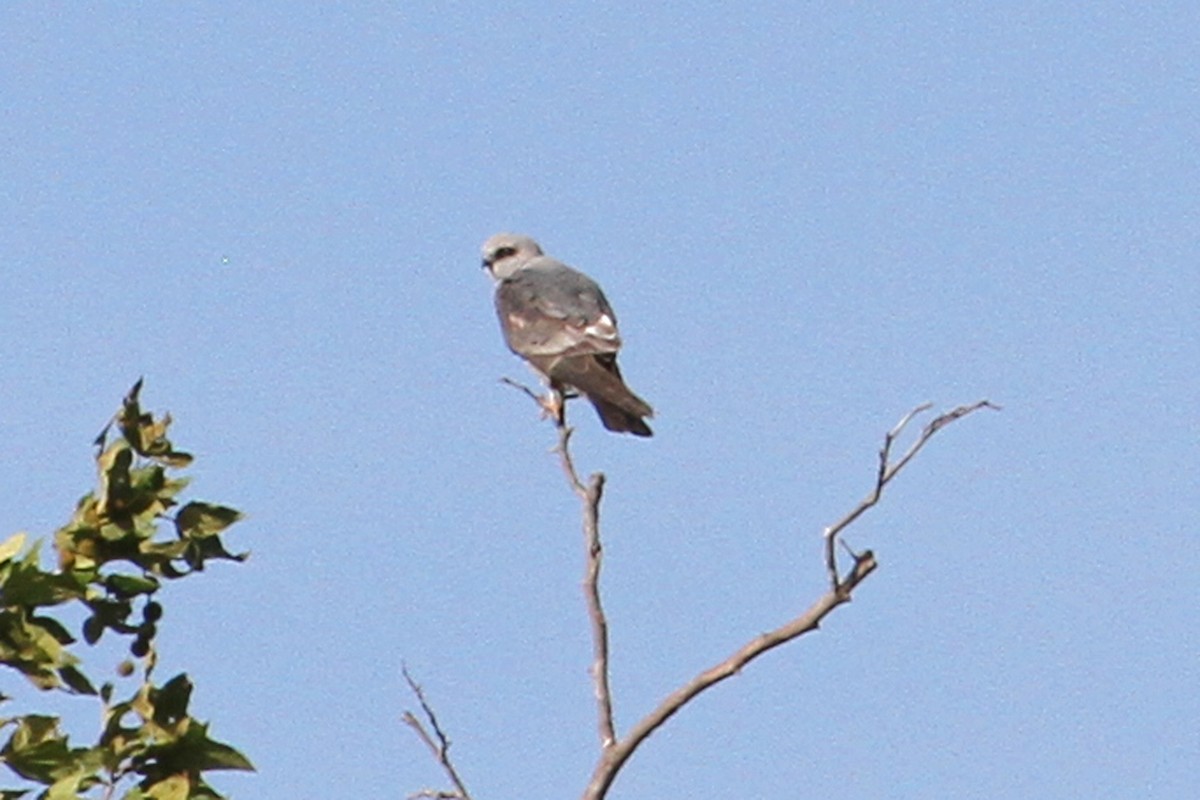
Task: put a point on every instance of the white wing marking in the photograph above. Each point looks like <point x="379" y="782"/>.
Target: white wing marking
<point x="602" y="328"/>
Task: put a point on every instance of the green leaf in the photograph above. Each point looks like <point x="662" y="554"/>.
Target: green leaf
<point x="147" y="435"/>
<point x="73" y="785"/>
<point x="114" y="480"/>
<point x="110" y="614"/>
<point x="53" y="627"/>
<point x="27" y="585"/>
<point x="37" y="751"/>
<point x="76" y="680"/>
<point x="32" y="729"/>
<point x="29" y="648"/>
<point x="209" y="754"/>
<point x="171" y="701"/>
<point x="204" y="519"/>
<point x="174" y="787"/>
<point x="175" y="459"/>
<point x="126" y="586"/>
<point x="130" y="416"/>
<point x="210" y="547"/>
<point x="190" y="754"/>
<point x="12" y="545"/>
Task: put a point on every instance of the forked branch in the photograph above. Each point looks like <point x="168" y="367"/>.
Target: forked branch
<point x="613" y="758"/>
<point x="889" y="469"/>
<point x="616" y="752"/>
<point x="437" y="742"/>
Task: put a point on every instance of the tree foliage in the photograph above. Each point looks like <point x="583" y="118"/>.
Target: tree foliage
<point x="124" y="542"/>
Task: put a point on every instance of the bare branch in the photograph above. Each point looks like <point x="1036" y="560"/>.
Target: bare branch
<point x="615" y="753"/>
<point x="534" y="396"/>
<point x="552" y="403"/>
<point x="590" y="495"/>
<point x="840" y="591"/>
<point x="888" y="470"/>
<point x="611" y="762"/>
<point x="440" y="748"/>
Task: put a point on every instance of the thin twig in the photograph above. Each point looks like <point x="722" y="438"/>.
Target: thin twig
<point x="552" y="404"/>
<point x="534" y="396"/>
<point x="440" y="748"/>
<point x="888" y="470"/>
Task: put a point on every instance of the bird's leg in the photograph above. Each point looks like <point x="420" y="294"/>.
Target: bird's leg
<point x="554" y="405"/>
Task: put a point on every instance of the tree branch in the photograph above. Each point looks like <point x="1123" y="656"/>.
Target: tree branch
<point x="615" y="753"/>
<point x="590" y="495"/>
<point x="841" y="588"/>
<point x="613" y="760"/>
<point x="440" y="748"/>
<point x="888" y="470"/>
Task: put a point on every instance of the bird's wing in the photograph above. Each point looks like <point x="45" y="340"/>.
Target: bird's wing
<point x="549" y="309"/>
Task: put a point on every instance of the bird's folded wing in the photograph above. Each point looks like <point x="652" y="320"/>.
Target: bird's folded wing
<point x="555" y="313"/>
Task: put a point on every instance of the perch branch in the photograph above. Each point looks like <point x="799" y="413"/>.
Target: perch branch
<point x="589" y="495"/>
<point x="437" y="743"/>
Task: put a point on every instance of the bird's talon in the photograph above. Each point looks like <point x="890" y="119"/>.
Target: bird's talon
<point x="552" y="407"/>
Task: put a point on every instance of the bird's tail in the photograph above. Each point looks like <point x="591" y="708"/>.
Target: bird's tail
<point x="599" y="378"/>
<point x="619" y="420"/>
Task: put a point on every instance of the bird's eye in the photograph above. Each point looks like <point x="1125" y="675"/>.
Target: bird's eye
<point x="505" y="252"/>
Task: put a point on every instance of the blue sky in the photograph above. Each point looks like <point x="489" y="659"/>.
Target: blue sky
<point x="809" y="218"/>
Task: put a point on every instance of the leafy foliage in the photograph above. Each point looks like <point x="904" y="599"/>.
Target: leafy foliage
<point x="114" y="557"/>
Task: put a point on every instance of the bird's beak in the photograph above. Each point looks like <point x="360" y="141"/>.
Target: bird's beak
<point x="486" y="265"/>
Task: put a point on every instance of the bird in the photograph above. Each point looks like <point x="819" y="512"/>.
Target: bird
<point x="558" y="320"/>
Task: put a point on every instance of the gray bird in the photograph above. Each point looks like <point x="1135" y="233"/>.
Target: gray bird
<point x="558" y="320"/>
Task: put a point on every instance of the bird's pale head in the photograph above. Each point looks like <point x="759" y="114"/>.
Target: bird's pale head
<point x="505" y="253"/>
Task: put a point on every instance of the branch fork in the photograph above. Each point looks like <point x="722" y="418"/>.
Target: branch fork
<point x="438" y="744"/>
<point x="615" y="752"/>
